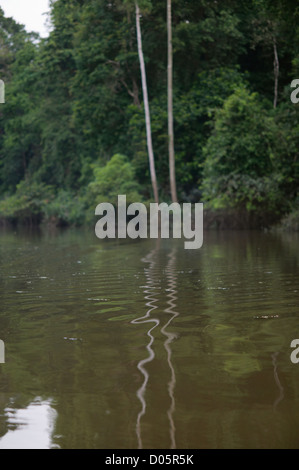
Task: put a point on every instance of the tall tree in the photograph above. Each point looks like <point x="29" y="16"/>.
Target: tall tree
<point x="266" y="33"/>
<point x="146" y="107"/>
<point x="170" y="106"/>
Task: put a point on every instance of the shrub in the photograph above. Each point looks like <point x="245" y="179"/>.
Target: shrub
<point x="28" y="203"/>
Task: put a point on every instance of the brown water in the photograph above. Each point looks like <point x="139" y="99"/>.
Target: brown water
<point x="143" y="344"/>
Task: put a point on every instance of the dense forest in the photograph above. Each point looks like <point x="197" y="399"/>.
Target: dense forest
<point x="72" y="129"/>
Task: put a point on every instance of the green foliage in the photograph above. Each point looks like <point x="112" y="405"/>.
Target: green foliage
<point x="244" y="167"/>
<point x="73" y="100"/>
<point x="65" y="209"/>
<point x="291" y="221"/>
<point x="242" y="137"/>
<point x="28" y="203"/>
<point x="261" y="195"/>
<point x="286" y="138"/>
<point x="115" y="178"/>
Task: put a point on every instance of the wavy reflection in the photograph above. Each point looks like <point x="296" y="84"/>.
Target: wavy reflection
<point x="172" y="297"/>
<point x="277" y="381"/>
<point x="150" y="291"/>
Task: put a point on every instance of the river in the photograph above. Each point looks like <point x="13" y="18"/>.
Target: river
<point x="120" y="344"/>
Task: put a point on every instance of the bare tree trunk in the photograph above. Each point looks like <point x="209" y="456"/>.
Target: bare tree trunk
<point x="170" y="107"/>
<point x="276" y="73"/>
<point x="146" y="108"/>
<point x="136" y="93"/>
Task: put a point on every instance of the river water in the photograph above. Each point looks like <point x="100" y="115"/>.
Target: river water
<point x="143" y="344"/>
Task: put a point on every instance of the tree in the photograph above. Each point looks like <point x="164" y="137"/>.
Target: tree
<point x="266" y="33"/>
<point x="242" y="168"/>
<point x="74" y="100"/>
<point x="170" y="106"/>
<point x="146" y="107"/>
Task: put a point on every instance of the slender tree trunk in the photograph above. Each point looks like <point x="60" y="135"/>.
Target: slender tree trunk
<point x="170" y="107"/>
<point x="276" y="73"/>
<point x="136" y="93"/>
<point x="146" y="108"/>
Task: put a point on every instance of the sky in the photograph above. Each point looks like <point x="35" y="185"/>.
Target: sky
<point x="28" y="13"/>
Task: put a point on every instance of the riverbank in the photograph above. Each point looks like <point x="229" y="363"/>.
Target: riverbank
<point x="216" y="219"/>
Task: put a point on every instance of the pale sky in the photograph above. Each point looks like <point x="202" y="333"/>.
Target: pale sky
<point x="28" y="13"/>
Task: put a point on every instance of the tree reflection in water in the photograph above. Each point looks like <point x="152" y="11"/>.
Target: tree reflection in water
<point x="277" y="381"/>
<point x="151" y="291"/>
<point x="172" y="291"/>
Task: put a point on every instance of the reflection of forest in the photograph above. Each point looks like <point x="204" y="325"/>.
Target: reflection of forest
<point x="219" y="368"/>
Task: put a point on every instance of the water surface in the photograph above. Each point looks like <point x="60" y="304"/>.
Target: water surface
<point x="142" y="344"/>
